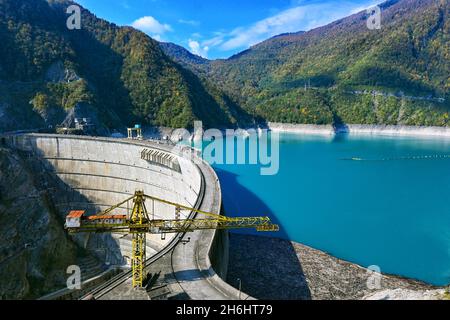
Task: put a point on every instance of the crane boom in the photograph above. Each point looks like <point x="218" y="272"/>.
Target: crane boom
<point x="138" y="224"/>
<point x="182" y="225"/>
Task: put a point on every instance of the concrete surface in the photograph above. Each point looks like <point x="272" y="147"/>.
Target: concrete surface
<point x="100" y="172"/>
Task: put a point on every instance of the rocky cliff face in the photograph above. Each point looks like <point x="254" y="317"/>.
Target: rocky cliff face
<point x="35" y="250"/>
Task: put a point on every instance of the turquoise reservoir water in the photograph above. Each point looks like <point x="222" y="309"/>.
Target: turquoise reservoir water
<point x="394" y="214"/>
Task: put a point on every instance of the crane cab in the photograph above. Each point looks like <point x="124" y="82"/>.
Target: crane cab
<point x="73" y="219"/>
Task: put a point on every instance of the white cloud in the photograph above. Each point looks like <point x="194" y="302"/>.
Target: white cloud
<point x="299" y="18"/>
<point x="189" y="22"/>
<point x="151" y="26"/>
<point x="197" y="49"/>
<point x="287" y="21"/>
<point x="215" y="41"/>
<point x="157" y="37"/>
<point x="366" y="6"/>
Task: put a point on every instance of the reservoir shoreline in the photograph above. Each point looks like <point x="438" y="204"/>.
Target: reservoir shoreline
<point x="312" y="274"/>
<point x="317" y="129"/>
<point x="359" y="129"/>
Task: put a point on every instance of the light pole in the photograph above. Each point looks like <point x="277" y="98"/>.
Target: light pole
<point x="240" y="287"/>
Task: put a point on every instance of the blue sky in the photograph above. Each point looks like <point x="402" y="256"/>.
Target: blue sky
<point x="221" y="28"/>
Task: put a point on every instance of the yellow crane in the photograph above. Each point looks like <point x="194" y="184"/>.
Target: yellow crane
<point x="138" y="224"/>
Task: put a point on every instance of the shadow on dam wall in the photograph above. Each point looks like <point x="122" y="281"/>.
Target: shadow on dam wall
<point x="265" y="266"/>
<point x="64" y="198"/>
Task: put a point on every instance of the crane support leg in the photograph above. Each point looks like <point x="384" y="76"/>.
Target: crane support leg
<point x="138" y="217"/>
<point x="138" y="259"/>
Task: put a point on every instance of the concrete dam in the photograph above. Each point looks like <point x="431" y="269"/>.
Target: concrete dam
<point x="97" y="173"/>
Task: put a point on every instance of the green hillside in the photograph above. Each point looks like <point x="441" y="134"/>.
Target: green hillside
<point x="116" y="74"/>
<point x="344" y="72"/>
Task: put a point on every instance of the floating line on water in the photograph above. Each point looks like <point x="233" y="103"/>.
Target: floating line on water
<point x="427" y="157"/>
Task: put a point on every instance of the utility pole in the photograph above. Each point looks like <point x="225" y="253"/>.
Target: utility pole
<point x="240" y="288"/>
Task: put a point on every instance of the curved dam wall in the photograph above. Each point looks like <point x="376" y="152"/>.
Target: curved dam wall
<point x="100" y="172"/>
<point x="96" y="173"/>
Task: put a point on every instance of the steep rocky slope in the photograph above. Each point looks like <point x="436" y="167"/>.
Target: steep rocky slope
<point x="35" y="250"/>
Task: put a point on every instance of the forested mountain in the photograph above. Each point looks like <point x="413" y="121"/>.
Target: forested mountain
<point x="345" y="72"/>
<point x="116" y="75"/>
<point x="182" y="55"/>
<point x="341" y="72"/>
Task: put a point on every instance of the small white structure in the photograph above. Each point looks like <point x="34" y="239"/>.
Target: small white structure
<point x="73" y="219"/>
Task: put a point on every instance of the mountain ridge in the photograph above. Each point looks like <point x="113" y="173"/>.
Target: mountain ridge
<point x="312" y="77"/>
<point x="123" y="76"/>
<point x="338" y="73"/>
